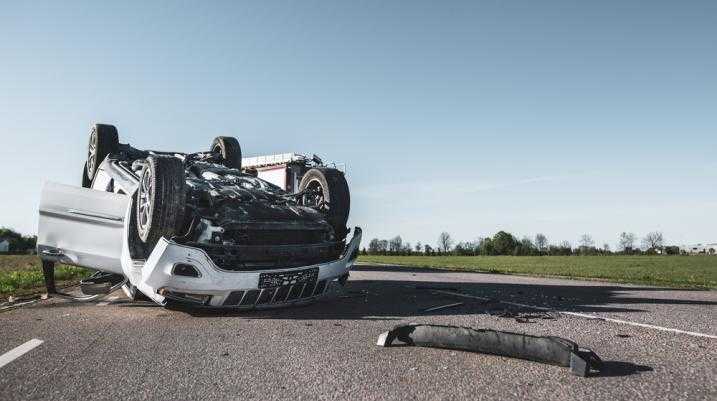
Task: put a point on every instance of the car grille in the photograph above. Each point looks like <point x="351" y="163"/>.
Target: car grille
<point x="275" y="237"/>
<point x="273" y="280"/>
<point x="254" y="257"/>
<point x="277" y="295"/>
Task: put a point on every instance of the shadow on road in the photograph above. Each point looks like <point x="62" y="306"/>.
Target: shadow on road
<point x="397" y="299"/>
<point x="404" y="299"/>
<point x="383" y="299"/>
<point x="615" y="368"/>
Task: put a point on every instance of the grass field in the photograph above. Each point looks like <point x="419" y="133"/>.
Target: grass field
<point x="673" y="271"/>
<point x="22" y="274"/>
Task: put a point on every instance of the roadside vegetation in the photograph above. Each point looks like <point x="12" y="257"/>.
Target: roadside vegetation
<point x="22" y="275"/>
<point x="21" y="271"/>
<point x="698" y="272"/>
<point x="651" y="262"/>
<point x="17" y="243"/>
<point x="507" y="244"/>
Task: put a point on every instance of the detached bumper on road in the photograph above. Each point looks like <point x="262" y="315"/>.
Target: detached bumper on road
<point x="246" y="289"/>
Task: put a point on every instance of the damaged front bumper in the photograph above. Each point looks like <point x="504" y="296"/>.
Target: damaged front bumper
<point x="183" y="273"/>
<point x="546" y="349"/>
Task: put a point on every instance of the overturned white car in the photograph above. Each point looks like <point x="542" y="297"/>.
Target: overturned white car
<point x="197" y="228"/>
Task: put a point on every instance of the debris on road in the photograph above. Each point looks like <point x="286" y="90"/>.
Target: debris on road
<point x="550" y="350"/>
<point x="582" y="315"/>
<point x="521" y="317"/>
<point x="17" y="302"/>
<point x="13" y="305"/>
<point x="441" y="307"/>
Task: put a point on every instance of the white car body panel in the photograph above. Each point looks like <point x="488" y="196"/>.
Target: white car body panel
<point x="82" y="227"/>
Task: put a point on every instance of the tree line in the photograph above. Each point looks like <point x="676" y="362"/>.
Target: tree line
<point x="504" y="243"/>
<point x="18" y="243"/>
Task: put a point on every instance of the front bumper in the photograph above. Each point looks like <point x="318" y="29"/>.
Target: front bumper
<point x="236" y="289"/>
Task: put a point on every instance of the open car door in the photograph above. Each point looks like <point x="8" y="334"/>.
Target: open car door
<point x="82" y="227"/>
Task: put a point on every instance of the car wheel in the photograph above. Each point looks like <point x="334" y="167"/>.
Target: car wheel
<point x="160" y="199"/>
<point x="103" y="141"/>
<point x="229" y="149"/>
<point x="327" y="191"/>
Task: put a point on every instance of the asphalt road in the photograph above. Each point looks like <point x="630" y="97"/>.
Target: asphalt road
<point x="327" y="350"/>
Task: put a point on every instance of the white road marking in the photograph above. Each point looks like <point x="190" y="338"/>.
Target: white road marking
<point x="459" y="294"/>
<point x="439" y="307"/>
<point x="18" y="351"/>
<point x="107" y="302"/>
<point x="586" y="315"/>
<point x="645" y="325"/>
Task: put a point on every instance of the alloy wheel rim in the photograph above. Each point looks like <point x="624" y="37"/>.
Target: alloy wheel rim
<point x="92" y="152"/>
<point x="145" y="200"/>
<point x="315" y="196"/>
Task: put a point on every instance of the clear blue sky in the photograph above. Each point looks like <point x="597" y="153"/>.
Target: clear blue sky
<point x="528" y="116"/>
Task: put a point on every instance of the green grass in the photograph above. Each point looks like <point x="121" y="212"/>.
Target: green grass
<point x="22" y="274"/>
<point x="674" y="271"/>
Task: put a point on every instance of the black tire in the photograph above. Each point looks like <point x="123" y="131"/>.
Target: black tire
<point x="230" y="150"/>
<point x="137" y="248"/>
<point x="333" y="201"/>
<point x="103" y="141"/>
<point x="160" y="199"/>
<point x="86" y="181"/>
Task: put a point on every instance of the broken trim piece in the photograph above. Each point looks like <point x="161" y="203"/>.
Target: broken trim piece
<point x="550" y="350"/>
<point x="48" y="272"/>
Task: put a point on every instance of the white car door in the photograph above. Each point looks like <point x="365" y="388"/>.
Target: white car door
<point x="81" y="226"/>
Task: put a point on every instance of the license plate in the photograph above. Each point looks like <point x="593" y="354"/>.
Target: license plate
<point x="273" y="280"/>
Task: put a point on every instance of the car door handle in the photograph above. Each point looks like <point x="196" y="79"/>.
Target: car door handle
<point x="95" y="215"/>
<point x="53" y="252"/>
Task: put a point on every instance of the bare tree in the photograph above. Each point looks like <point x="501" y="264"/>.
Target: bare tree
<point x="626" y="241"/>
<point x="653" y="240"/>
<point x="406" y="248"/>
<point x="374" y="246"/>
<point x="395" y="244"/>
<point x="541" y="241"/>
<point x="586" y="241"/>
<point x="526" y="247"/>
<point x="445" y="242"/>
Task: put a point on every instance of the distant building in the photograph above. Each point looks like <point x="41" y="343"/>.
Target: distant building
<point x="4" y="246"/>
<point x="707" y="249"/>
<point x="283" y="170"/>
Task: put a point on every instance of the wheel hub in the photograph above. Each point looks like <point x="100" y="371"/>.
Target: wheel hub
<point x="144" y="198"/>
<point x="92" y="153"/>
<point x="315" y="197"/>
